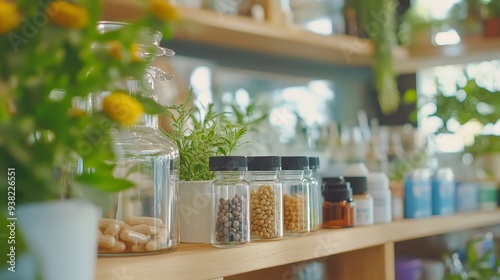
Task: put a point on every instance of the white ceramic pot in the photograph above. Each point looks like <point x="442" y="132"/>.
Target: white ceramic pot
<point x="61" y="238"/>
<point x="194" y="211"/>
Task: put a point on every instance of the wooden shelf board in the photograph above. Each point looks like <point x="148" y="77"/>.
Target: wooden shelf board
<point x="473" y="49"/>
<point x="240" y="32"/>
<point x="192" y="261"/>
<point x="232" y="31"/>
<point x="244" y="33"/>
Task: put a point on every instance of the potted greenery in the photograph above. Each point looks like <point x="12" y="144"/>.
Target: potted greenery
<point x="473" y="102"/>
<point x="200" y="135"/>
<point x="47" y="59"/>
<point x="377" y="20"/>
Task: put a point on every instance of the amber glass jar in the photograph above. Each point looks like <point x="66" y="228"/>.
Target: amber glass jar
<point x="338" y="208"/>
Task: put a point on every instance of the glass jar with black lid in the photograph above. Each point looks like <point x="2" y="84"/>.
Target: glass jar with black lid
<point x="295" y="195"/>
<point x="266" y="216"/>
<point x="230" y="202"/>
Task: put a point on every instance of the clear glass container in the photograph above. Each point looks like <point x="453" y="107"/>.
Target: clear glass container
<point x="266" y="215"/>
<point x="230" y="225"/>
<point x="315" y="210"/>
<point x="142" y="219"/>
<point x="295" y="195"/>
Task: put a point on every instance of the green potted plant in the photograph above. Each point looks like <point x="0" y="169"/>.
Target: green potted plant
<point x="473" y="102"/>
<point x="376" y="18"/>
<point x="49" y="59"/>
<point x="200" y="134"/>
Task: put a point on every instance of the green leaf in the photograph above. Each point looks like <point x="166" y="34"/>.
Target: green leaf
<point x="151" y="107"/>
<point x="410" y="96"/>
<point x="104" y="182"/>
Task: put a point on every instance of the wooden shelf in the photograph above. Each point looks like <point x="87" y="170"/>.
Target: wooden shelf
<point x="191" y="261"/>
<point x="472" y="49"/>
<point x="243" y="33"/>
<point x="240" y="32"/>
<point x="269" y="37"/>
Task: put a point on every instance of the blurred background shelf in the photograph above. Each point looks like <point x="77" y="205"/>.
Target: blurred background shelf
<point x="471" y="49"/>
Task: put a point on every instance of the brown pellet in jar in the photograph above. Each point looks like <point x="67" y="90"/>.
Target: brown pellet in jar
<point x="264" y="210"/>
<point x="229" y="225"/>
<point x="293" y="213"/>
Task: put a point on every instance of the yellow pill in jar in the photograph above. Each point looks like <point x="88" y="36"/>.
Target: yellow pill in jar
<point x="156" y="244"/>
<point x="150" y="221"/>
<point x="104" y="223"/>
<point x="133" y="237"/>
<point x="114" y="228"/>
<point x="144" y="229"/>
<point x="106" y="241"/>
<point x="155" y="230"/>
<point x="162" y="233"/>
<point x="138" y="248"/>
<point x="118" y="248"/>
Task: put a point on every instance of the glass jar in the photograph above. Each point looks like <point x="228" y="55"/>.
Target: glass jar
<point x="142" y="219"/>
<point x="230" y="225"/>
<point x="295" y="195"/>
<point x="338" y="208"/>
<point x="314" y="194"/>
<point x="266" y="217"/>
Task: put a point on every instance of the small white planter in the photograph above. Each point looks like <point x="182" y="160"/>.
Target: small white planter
<point x="194" y="211"/>
<point x="61" y="238"/>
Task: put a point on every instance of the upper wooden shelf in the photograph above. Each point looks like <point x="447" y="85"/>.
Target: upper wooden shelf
<point x="191" y="261"/>
<point x="471" y="49"/>
<point x="240" y="32"/>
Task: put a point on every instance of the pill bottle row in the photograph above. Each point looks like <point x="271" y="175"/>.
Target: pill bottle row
<point x="263" y="198"/>
<point x="359" y="198"/>
<point x="428" y="192"/>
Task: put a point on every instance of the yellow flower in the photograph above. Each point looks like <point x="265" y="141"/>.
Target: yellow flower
<point x="123" y="108"/>
<point x="9" y="16"/>
<point x="115" y="48"/>
<point x="162" y="9"/>
<point x="67" y="14"/>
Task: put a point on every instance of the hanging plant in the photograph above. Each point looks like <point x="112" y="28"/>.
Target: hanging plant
<point x="376" y="18"/>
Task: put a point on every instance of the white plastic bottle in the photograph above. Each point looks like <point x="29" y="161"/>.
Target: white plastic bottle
<point x="357" y="175"/>
<point x="378" y="188"/>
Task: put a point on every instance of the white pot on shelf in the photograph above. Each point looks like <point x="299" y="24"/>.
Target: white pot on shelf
<point x="61" y="238"/>
<point x="194" y="211"/>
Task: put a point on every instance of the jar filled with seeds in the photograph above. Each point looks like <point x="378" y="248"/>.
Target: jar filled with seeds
<point x="266" y="217"/>
<point x="295" y="195"/>
<point x="230" y="204"/>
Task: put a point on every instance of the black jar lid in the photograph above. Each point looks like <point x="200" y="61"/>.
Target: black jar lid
<point x="227" y="163"/>
<point x="264" y="163"/>
<point x="336" y="189"/>
<point x="359" y="185"/>
<point x="294" y="163"/>
<point x="313" y="163"/>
